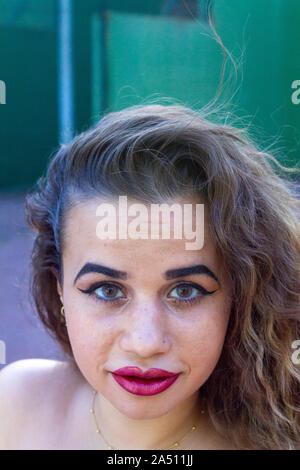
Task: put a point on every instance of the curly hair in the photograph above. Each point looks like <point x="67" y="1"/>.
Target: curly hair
<point x="156" y="152"/>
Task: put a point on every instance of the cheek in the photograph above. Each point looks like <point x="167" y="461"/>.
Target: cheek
<point x="91" y="338"/>
<point x="205" y="342"/>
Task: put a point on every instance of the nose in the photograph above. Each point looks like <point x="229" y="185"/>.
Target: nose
<point x="145" y="333"/>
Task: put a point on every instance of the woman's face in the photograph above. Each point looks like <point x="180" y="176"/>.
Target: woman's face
<point x="149" y="317"/>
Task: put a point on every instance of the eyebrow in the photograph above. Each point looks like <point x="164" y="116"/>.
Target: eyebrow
<point x="98" y="268"/>
<point x="196" y="269"/>
<point x="170" y="274"/>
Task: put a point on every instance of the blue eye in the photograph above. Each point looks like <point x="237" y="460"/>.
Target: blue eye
<point x="107" y="292"/>
<point x="186" y="292"/>
<point x="189" y="293"/>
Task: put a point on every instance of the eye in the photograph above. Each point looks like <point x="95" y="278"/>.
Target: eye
<point x="188" y="293"/>
<point x="106" y="292"/>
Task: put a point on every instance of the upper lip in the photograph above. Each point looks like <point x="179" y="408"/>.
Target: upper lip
<point x="134" y="371"/>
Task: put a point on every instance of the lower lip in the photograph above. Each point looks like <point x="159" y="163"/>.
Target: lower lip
<point x="145" y="387"/>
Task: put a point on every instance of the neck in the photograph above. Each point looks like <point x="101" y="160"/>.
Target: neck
<point x="153" y="432"/>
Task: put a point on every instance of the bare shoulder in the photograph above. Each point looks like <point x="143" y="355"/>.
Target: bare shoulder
<point x="25" y="377"/>
<point x="25" y="386"/>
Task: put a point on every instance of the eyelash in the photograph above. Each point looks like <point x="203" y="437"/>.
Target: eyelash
<point x="91" y="292"/>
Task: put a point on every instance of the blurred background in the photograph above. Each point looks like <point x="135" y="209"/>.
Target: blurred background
<point x="63" y="63"/>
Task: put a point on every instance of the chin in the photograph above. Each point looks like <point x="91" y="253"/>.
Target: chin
<point x="140" y="408"/>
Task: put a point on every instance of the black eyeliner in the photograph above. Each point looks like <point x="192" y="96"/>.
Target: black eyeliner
<point x="96" y="286"/>
<point x="196" y="286"/>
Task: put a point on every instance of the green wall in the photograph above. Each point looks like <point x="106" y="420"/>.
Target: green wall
<point x="28" y="120"/>
<point x="270" y="35"/>
<point x="177" y="58"/>
<point x="128" y="52"/>
<point x="160" y="56"/>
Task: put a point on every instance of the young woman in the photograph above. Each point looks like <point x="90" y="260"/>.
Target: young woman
<point x="170" y="348"/>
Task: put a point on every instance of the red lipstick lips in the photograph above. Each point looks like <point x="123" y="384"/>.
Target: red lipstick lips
<point x="151" y="382"/>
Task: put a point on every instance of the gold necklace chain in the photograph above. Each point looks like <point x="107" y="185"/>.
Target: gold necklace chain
<point x="110" y="447"/>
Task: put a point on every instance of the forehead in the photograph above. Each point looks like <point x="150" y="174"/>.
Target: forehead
<point x="81" y="234"/>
